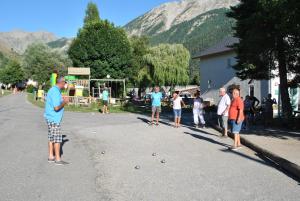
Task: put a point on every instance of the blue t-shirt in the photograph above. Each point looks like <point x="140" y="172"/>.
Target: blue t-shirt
<point x="156" y="99"/>
<point x="105" y="95"/>
<point x="53" y="100"/>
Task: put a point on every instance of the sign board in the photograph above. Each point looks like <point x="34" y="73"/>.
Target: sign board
<point x="79" y="71"/>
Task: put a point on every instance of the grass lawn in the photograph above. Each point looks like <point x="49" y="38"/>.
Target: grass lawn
<point x="6" y="92"/>
<point x="95" y="107"/>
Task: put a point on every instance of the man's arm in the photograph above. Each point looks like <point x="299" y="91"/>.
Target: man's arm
<point x="228" y="102"/>
<point x="240" y="111"/>
<point x="62" y="105"/>
<point x="258" y="102"/>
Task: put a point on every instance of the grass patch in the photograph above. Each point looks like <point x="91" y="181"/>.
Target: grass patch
<point x="95" y="107"/>
<point x="6" y="92"/>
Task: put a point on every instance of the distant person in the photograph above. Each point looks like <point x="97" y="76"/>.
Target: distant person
<point x="177" y="102"/>
<point x="54" y="110"/>
<point x="223" y="108"/>
<point x="105" y="99"/>
<point x="268" y="110"/>
<point x="236" y="117"/>
<point x="156" y="98"/>
<point x="255" y="102"/>
<point x="198" y="111"/>
<point x="248" y="111"/>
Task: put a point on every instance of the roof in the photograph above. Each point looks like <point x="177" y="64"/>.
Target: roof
<point x="79" y="71"/>
<point x="219" y="48"/>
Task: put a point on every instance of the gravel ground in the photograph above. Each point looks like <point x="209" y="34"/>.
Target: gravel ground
<point x="198" y="165"/>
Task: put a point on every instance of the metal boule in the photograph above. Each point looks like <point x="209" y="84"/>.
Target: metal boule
<point x="103" y="152"/>
<point x="154" y="154"/>
<point x="163" y="161"/>
<point x="137" y="167"/>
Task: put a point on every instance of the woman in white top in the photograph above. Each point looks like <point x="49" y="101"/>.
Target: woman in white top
<point x="198" y="110"/>
<point x="177" y="101"/>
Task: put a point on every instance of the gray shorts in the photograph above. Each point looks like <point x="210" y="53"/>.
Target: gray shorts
<point x="223" y="121"/>
<point x="156" y="109"/>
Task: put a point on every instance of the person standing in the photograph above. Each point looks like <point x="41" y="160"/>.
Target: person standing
<point x="156" y="98"/>
<point x="268" y="110"/>
<point x="105" y="98"/>
<point x="177" y="102"/>
<point x="236" y="117"/>
<point x="198" y="111"/>
<point x="54" y="110"/>
<point x="223" y="108"/>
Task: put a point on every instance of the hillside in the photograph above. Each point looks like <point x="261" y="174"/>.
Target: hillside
<point x="62" y="44"/>
<point x="19" y="40"/>
<point x="198" y="33"/>
<point x="165" y="16"/>
<point x="194" y="23"/>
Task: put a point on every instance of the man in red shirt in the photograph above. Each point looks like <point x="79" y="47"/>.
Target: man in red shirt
<point x="236" y="117"/>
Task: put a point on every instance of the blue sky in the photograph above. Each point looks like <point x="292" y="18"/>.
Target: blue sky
<point x="64" y="17"/>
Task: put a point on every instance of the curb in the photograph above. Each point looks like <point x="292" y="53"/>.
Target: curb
<point x="286" y="165"/>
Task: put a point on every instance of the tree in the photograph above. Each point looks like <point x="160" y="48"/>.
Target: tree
<point x="269" y="42"/>
<point x="104" y="48"/>
<point x="140" y="47"/>
<point x="91" y="14"/>
<point x="168" y="64"/>
<point x="12" y="73"/>
<point x="39" y="61"/>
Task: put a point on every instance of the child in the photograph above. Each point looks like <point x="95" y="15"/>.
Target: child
<point x="198" y="111"/>
<point x="177" y="101"/>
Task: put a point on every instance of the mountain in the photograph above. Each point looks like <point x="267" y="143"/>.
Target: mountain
<point x="198" y="33"/>
<point x="18" y="40"/>
<point x="164" y="17"/>
<point x="198" y="24"/>
<point x="61" y="45"/>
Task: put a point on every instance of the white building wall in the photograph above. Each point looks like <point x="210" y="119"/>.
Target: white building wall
<point x="217" y="72"/>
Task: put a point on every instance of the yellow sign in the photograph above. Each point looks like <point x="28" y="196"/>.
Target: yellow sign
<point x="40" y="93"/>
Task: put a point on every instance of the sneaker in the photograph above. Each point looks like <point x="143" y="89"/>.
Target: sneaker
<point x="51" y="160"/>
<point x="61" y="162"/>
<point x="234" y="148"/>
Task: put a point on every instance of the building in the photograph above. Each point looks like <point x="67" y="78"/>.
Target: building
<point x="216" y="71"/>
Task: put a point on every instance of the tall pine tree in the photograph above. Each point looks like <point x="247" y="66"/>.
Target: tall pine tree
<point x="91" y="14"/>
<point x="268" y="36"/>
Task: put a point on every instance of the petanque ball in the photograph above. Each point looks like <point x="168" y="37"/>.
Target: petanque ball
<point x="163" y="161"/>
<point x="154" y="154"/>
<point x="137" y="167"/>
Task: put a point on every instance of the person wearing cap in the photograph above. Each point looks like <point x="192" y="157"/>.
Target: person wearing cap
<point x="54" y="110"/>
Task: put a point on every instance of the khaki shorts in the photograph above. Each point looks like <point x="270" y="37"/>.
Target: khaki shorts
<point x="223" y="121"/>
<point x="156" y="109"/>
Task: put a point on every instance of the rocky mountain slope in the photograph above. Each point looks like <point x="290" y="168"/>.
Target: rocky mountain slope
<point x="164" y="17"/>
<point x="18" y="40"/>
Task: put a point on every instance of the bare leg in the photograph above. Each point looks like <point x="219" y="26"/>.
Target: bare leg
<point x="179" y="118"/>
<point x="152" y="117"/>
<point x="235" y="140"/>
<point x="175" y="121"/>
<point x="238" y="140"/>
<point x="225" y="132"/>
<point x="57" y="151"/>
<point x="157" y="117"/>
<point x="50" y="148"/>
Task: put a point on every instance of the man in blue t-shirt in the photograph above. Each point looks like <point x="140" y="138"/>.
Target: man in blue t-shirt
<point x="105" y="97"/>
<point x="156" y="98"/>
<point x="54" y="109"/>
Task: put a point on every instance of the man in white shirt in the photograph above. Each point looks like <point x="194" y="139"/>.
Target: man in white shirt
<point x="223" y="108"/>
